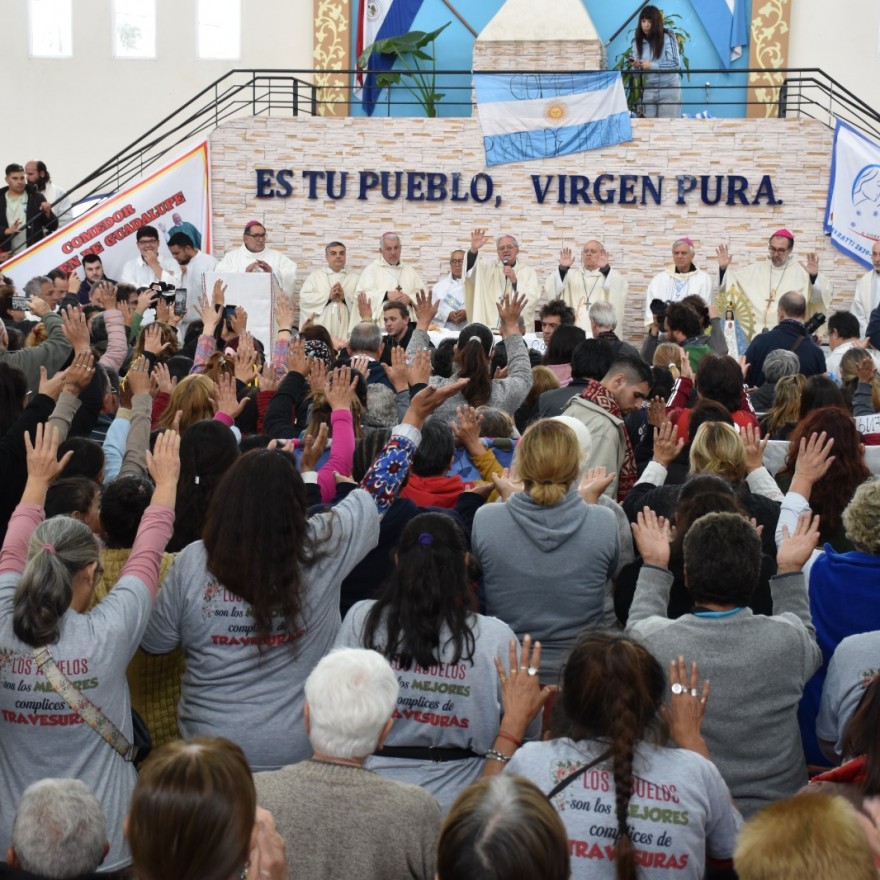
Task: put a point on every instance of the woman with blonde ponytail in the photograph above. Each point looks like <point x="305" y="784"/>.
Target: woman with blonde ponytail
<point x="633" y="809"/>
<point x="48" y="573"/>
<point x="546" y="553"/>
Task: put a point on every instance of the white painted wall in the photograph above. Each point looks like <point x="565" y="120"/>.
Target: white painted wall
<point x="76" y="113"/>
<point x="843" y="39"/>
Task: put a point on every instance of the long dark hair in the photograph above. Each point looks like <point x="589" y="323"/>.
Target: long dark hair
<point x="13" y="391"/>
<point x="860" y="737"/>
<point x="848" y="471"/>
<point x="428" y="591"/>
<point x="612" y="688"/>
<point x="472" y="362"/>
<point x="563" y="343"/>
<point x="256" y="537"/>
<point x="655" y="38"/>
<point x="207" y="450"/>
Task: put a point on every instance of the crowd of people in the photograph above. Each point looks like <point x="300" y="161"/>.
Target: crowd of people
<point x="467" y="599"/>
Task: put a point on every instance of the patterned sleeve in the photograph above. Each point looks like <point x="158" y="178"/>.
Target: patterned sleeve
<point x="205" y="347"/>
<point x="384" y="479"/>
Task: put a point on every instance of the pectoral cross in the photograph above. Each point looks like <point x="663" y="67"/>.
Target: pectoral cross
<point x="770" y="300"/>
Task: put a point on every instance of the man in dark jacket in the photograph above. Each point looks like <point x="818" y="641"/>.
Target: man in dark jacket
<point x="24" y="216"/>
<point x="790" y="334"/>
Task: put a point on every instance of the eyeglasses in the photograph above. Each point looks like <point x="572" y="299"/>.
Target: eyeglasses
<point x="256" y="234"/>
<point x="782" y="250"/>
<point x="456" y="262"/>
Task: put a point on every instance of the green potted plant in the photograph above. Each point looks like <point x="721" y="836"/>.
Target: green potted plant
<point x="410" y="49"/>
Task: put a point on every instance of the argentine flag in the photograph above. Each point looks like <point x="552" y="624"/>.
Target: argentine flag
<point x="726" y="24"/>
<point x="538" y="116"/>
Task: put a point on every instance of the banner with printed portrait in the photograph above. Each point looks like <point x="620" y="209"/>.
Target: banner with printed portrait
<point x="176" y="196"/>
<point x="852" y="215"/>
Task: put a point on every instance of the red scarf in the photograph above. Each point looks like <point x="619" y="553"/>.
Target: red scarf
<point x="597" y="393"/>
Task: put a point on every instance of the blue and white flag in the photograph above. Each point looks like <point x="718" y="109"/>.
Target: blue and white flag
<point x="536" y="116"/>
<point x="726" y="24"/>
<point x="379" y="20"/>
<point x="852" y="215"/>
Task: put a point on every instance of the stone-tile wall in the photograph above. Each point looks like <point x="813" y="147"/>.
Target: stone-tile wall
<point x="796" y="154"/>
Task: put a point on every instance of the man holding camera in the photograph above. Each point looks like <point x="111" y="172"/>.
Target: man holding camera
<point x="149" y="267"/>
<point x="791" y="334"/>
<point x="762" y="284"/>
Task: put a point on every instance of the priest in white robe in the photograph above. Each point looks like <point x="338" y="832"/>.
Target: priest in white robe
<point x="254" y="256"/>
<point x="449" y="292"/>
<point x="486" y="281"/>
<point x="679" y="279"/>
<point x="595" y="281"/>
<point x="867" y="295"/>
<point x="387" y="278"/>
<point x="753" y="292"/>
<point x="329" y="295"/>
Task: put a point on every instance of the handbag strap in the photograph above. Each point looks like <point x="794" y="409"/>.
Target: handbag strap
<point x="82" y="705"/>
<point x="575" y="773"/>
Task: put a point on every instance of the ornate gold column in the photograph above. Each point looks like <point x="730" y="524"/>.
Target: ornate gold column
<point x="768" y="50"/>
<point x="332" y="51"/>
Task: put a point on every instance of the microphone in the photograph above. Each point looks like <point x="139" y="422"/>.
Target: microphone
<point x="505" y="261"/>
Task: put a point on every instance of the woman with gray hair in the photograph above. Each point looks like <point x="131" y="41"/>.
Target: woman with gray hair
<point x="59" y="831"/>
<point x="780" y="362"/>
<point x="59" y="662"/>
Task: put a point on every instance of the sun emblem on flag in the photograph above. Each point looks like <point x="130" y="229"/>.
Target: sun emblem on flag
<point x="374" y="8"/>
<point x="555" y="112"/>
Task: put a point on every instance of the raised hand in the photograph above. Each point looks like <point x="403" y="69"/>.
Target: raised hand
<point x="225" y="399"/>
<point x="813" y="461"/>
<point x="812" y="264"/>
<point x="686" y="707"/>
<point x="425" y="309"/>
<point x="755" y="447"/>
<point x="318" y="377"/>
<point x="652" y="535"/>
<point x="43" y="465"/>
<point x="667" y="444"/>
<point x="397" y="372"/>
<point x="795" y="549"/>
<point x="153" y="343"/>
<point x="341" y="384"/>
<point x="297" y="361"/>
<point x="428" y="399"/>
<point x="283" y="312"/>
<point x="163" y="379"/>
<point x="239" y="321"/>
<point x="478" y="239"/>
<point x="75" y="329"/>
<point x="365" y="308"/>
<point x="594" y="483"/>
<point x="509" y="310"/>
<point x="866" y="370"/>
<point x="419" y="370"/>
<point x="313" y="448"/>
<point x="137" y="379"/>
<point x="246" y="358"/>
<point x="466" y="428"/>
<point x="506" y="483"/>
<point x="78" y="376"/>
<point x="723" y="256"/>
<point x="566" y="258"/>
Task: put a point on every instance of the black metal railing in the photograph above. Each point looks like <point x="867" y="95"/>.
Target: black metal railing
<point x="798" y="93"/>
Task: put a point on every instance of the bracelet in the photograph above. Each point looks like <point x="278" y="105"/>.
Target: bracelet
<point x="509" y="738"/>
<point x="495" y="755"/>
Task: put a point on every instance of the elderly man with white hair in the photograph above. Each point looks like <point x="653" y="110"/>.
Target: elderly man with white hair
<point x="679" y="279"/>
<point x="487" y="281"/>
<point x="337" y="818"/>
<point x="603" y="323"/>
<point x="59" y="832"/>
<point x="595" y="281"/>
<point x="387" y="278"/>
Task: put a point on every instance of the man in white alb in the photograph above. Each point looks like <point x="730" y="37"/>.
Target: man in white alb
<point x="867" y="295"/>
<point x="254" y="256"/>
<point x="487" y="281"/>
<point x="193" y="266"/>
<point x="387" y="278"/>
<point x="329" y="294"/>
<point x="679" y="279"/>
<point x="753" y="292"/>
<point x="595" y="281"/>
<point x="451" y="314"/>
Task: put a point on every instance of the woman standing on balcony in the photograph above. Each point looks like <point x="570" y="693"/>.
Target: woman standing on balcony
<point x="656" y="49"/>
